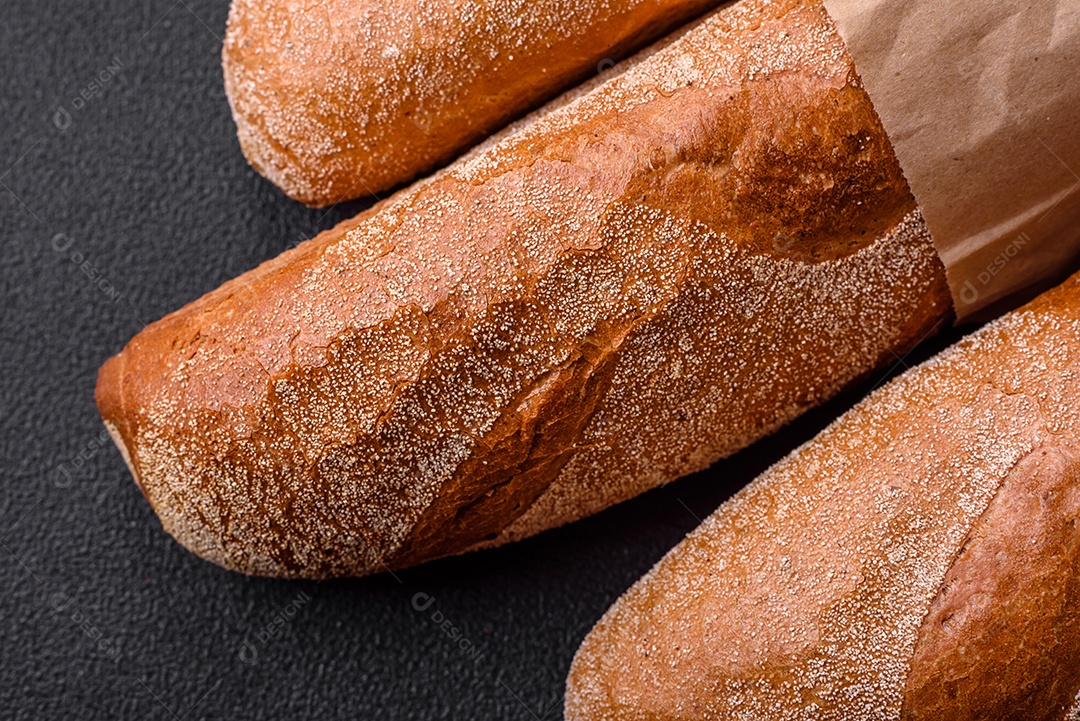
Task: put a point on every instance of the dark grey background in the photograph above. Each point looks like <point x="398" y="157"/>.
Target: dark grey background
<point x="124" y="195"/>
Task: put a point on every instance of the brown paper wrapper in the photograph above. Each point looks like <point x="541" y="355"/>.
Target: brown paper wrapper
<point x="981" y="101"/>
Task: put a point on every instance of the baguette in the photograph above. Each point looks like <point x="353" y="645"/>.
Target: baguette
<point x="618" y="291"/>
<point x="360" y="96"/>
<point x="919" y="559"/>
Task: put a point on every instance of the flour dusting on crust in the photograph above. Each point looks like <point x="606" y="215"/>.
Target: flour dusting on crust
<point x="343" y="98"/>
<point x="638" y="280"/>
<point x="802" y="597"/>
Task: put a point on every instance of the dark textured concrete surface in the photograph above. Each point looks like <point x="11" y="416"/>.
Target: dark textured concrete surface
<point x="124" y="195"/>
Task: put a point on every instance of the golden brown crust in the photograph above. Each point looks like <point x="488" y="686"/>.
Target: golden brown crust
<point x="611" y="294"/>
<point x="1002" y="639"/>
<point x="918" y="559"/>
<point x="358" y="96"/>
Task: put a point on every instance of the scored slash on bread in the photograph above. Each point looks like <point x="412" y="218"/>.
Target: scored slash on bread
<point x="645" y="276"/>
<point x="918" y="559"/>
